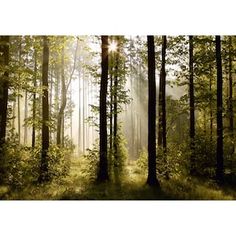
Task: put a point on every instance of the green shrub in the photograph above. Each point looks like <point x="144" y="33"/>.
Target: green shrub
<point x="90" y="161"/>
<point x="171" y="164"/>
<point x="20" y="165"/>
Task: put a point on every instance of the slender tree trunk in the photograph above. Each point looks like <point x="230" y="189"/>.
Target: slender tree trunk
<point x="219" y="148"/>
<point x="34" y="99"/>
<point x="103" y="164"/>
<point x="71" y="119"/>
<point x="56" y="98"/>
<point x="19" y="115"/>
<point x="60" y="117"/>
<point x="83" y="112"/>
<point x="26" y="116"/>
<point x="45" y="113"/>
<point x="231" y="112"/>
<point x="163" y="100"/>
<point x="191" y="108"/>
<point x="79" y="125"/>
<point x="152" y="177"/>
<point x="18" y="99"/>
<point x="4" y="84"/>
<point x="13" y="114"/>
<point x="211" y="112"/>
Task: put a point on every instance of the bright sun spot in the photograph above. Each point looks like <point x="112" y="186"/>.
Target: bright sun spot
<point x="112" y="46"/>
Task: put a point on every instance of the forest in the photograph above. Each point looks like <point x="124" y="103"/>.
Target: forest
<point x="118" y="117"/>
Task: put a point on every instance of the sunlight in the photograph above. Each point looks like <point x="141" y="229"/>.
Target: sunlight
<point x="113" y="46"/>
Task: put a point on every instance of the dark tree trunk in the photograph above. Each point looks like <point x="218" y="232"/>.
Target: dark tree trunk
<point x="45" y="113"/>
<point x="34" y="99"/>
<point x="63" y="103"/>
<point x="4" y="84"/>
<point x="231" y="113"/>
<point x="152" y="177"/>
<point x="103" y="165"/>
<point x="219" y="148"/>
<point x="163" y="101"/>
<point x="191" y="107"/>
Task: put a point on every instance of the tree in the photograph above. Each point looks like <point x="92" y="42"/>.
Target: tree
<point x="103" y="164"/>
<point x="191" y="107"/>
<point x="45" y="113"/>
<point x="64" y="91"/>
<point x="34" y="99"/>
<point x="219" y="147"/>
<point x="4" y="85"/>
<point x="152" y="178"/>
<point x="230" y="109"/>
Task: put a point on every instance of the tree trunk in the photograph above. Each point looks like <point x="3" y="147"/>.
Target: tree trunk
<point x="103" y="165"/>
<point x="34" y="99"/>
<point x="152" y="178"/>
<point x="191" y="108"/>
<point x="219" y="148"/>
<point x="4" y="84"/>
<point x="211" y="111"/>
<point x="45" y="113"/>
<point x="19" y="97"/>
<point x="63" y="102"/>
<point x="26" y="116"/>
<point x="231" y="113"/>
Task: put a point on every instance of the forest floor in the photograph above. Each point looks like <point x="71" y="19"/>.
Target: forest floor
<point x="78" y="186"/>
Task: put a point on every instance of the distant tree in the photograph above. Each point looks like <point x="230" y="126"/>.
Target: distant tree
<point x="219" y="148"/>
<point x="4" y="85"/>
<point x="64" y="90"/>
<point x="103" y="164"/>
<point x="152" y="177"/>
<point x="45" y="113"/>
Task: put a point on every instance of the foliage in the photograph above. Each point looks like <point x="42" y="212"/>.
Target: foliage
<point x="91" y="160"/>
<point x="173" y="163"/>
<point x="21" y="164"/>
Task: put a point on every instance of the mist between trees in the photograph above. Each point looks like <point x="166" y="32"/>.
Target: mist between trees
<point x="117" y="115"/>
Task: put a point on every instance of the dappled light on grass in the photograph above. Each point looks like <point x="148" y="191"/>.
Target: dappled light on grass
<point x="78" y="186"/>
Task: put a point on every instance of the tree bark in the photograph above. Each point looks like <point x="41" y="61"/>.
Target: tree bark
<point x="152" y="177"/>
<point x="34" y="99"/>
<point x="45" y="113"/>
<point x="231" y="112"/>
<point x="219" y="148"/>
<point x="26" y="116"/>
<point x="63" y="101"/>
<point x="103" y="165"/>
<point x="4" y="84"/>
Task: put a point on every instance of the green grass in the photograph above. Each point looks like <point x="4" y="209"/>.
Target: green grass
<point x="132" y="186"/>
